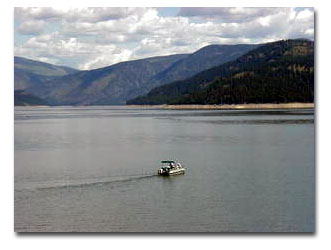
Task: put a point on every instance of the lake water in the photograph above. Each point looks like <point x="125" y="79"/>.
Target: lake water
<point x="93" y="169"/>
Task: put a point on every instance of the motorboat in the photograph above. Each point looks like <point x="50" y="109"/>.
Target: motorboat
<point x="172" y="167"/>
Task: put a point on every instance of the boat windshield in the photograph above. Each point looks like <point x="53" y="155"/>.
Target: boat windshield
<point x="167" y="162"/>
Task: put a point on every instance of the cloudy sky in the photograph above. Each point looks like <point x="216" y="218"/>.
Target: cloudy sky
<point x="88" y="38"/>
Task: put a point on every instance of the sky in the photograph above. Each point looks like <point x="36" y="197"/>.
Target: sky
<point x="90" y="38"/>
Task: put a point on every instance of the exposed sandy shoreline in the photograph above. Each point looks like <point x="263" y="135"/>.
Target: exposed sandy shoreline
<point x="234" y="106"/>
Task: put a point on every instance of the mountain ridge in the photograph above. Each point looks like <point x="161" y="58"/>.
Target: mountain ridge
<point x="30" y="73"/>
<point x="187" y="91"/>
<point x="117" y="83"/>
<point x="19" y="60"/>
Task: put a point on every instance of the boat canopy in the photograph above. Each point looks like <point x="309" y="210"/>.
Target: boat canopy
<point x="168" y="162"/>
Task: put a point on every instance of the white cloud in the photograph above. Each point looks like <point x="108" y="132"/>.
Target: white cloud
<point x="112" y="56"/>
<point x="92" y="15"/>
<point x="233" y="14"/>
<point x="47" y="60"/>
<point x="305" y="14"/>
<point x="89" y="38"/>
<point x="264" y="21"/>
<point x="33" y="13"/>
<point x="309" y="32"/>
<point x="31" y="27"/>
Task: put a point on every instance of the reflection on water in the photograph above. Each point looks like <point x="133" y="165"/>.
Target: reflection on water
<point x="94" y="169"/>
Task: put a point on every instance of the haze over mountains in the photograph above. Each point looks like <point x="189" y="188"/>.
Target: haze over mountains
<point x="115" y="84"/>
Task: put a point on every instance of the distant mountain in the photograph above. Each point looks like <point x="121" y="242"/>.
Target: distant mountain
<point x="110" y="85"/>
<point x="204" y="58"/>
<point x="22" y="98"/>
<point x="29" y="73"/>
<point x="41" y="68"/>
<point x="117" y="83"/>
<point x="281" y="71"/>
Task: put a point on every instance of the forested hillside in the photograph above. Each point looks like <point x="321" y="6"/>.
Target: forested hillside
<point x="281" y="71"/>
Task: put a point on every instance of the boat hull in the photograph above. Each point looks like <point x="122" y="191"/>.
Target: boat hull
<point x="173" y="172"/>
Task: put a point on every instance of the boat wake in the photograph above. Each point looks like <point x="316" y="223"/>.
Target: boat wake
<point x="70" y="184"/>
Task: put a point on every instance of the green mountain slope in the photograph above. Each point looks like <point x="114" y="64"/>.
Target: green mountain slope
<point x="281" y="71"/>
<point x="29" y="73"/>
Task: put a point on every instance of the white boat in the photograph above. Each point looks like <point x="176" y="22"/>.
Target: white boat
<point x="171" y="168"/>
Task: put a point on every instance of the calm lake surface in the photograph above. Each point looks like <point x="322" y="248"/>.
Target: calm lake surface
<point x="93" y="169"/>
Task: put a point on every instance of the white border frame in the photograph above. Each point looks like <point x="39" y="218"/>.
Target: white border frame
<point x="151" y="241"/>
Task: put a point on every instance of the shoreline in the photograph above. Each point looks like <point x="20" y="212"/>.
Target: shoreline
<point x="199" y="106"/>
<point x="229" y="106"/>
